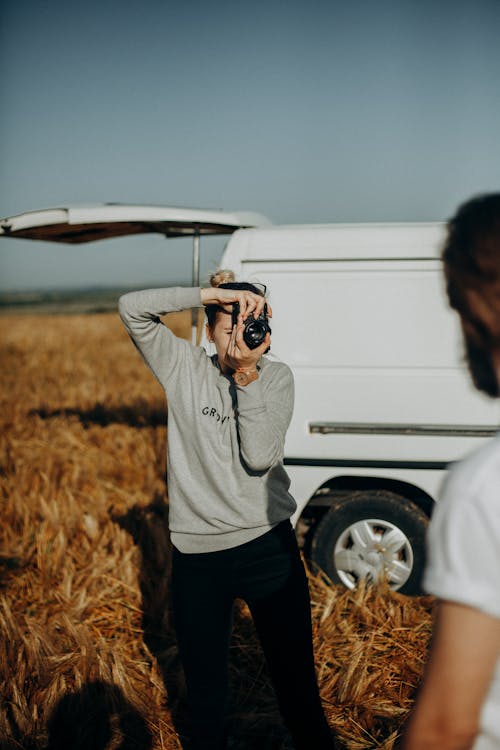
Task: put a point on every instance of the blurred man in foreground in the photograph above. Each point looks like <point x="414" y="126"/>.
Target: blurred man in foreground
<point x="458" y="706"/>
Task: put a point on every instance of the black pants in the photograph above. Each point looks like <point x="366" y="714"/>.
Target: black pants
<point x="268" y="574"/>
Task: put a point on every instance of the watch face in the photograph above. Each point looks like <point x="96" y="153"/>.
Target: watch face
<point x="241" y="377"/>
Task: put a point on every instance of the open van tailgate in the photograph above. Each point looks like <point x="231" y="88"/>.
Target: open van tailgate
<point x="77" y="224"/>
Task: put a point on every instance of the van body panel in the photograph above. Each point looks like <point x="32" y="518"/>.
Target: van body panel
<point x="383" y="397"/>
<point x="314" y="242"/>
<point x="373" y="314"/>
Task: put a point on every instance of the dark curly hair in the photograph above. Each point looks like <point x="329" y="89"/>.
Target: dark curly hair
<point x="471" y="257"/>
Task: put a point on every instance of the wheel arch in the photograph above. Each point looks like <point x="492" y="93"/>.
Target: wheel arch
<point x="338" y="488"/>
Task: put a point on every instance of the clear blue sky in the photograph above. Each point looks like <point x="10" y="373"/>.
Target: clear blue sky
<point x="305" y="111"/>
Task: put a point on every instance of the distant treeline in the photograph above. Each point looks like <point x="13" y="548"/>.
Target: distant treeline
<point x="65" y="301"/>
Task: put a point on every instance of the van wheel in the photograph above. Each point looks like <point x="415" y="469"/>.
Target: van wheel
<point x="372" y="535"/>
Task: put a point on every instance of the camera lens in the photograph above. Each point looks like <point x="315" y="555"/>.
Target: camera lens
<point x="255" y="333"/>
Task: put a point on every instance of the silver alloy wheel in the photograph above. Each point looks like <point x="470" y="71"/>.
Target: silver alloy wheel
<point x="371" y="549"/>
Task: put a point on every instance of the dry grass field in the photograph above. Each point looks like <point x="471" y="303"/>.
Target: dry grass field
<point x="88" y="658"/>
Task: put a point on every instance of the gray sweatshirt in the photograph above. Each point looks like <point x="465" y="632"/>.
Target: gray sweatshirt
<point x="226" y="481"/>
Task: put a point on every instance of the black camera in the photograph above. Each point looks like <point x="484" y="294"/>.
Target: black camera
<point x="255" y="329"/>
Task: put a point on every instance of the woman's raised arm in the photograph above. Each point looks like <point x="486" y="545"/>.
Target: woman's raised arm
<point x="140" y="313"/>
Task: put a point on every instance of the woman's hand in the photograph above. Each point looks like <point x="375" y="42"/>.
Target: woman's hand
<point x="249" y="302"/>
<point x="238" y="355"/>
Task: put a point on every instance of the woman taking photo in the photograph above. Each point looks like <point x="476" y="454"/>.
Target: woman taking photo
<point x="229" y="505"/>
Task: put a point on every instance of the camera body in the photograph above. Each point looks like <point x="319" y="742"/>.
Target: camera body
<point x="255" y="329"/>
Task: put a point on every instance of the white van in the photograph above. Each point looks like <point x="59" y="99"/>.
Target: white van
<point x="383" y="399"/>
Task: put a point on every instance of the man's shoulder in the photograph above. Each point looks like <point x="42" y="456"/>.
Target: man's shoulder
<point x="478" y="472"/>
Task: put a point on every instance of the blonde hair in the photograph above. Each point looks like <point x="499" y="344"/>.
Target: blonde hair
<point x="222" y="276"/>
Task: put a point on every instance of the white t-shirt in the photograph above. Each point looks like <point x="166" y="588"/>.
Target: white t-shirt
<point x="463" y="555"/>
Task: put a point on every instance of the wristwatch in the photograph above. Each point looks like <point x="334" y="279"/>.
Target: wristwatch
<point x="244" y="377"/>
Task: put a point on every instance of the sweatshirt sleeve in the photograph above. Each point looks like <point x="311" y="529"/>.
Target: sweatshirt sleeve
<point x="160" y="348"/>
<point x="264" y="414"/>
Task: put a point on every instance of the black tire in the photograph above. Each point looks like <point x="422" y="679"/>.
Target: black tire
<point x="342" y="533"/>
